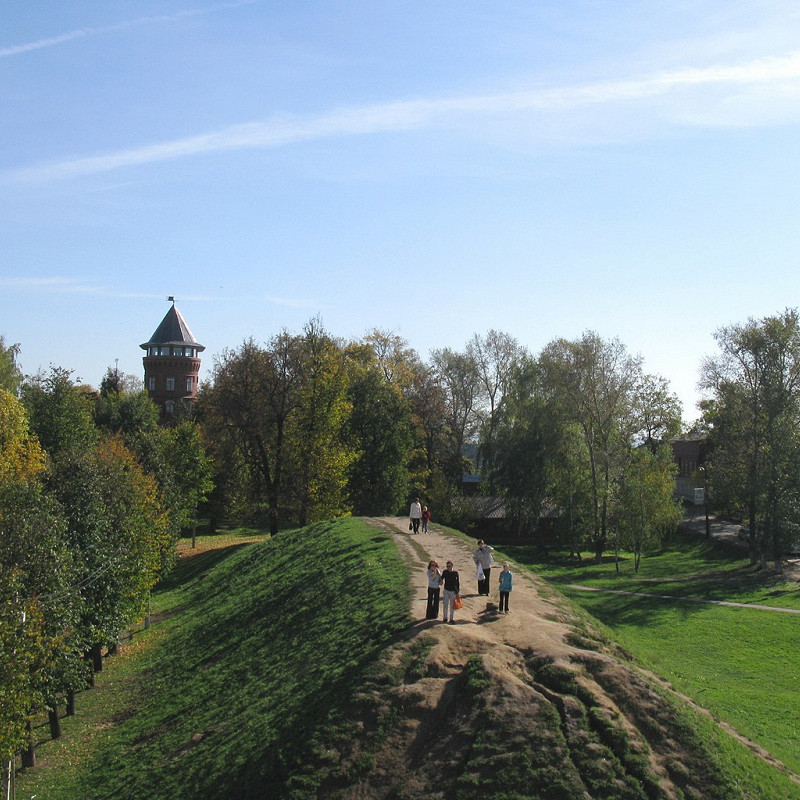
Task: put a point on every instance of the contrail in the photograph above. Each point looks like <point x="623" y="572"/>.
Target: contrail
<point x="80" y="33"/>
<point x="414" y="114"/>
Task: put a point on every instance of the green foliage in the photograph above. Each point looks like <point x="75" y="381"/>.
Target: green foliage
<point x="246" y="414"/>
<point x="319" y="453"/>
<point x="645" y="509"/>
<point x="754" y="440"/>
<point x="117" y="532"/>
<point x="60" y="413"/>
<point x="23" y="655"/>
<point x="380" y="427"/>
<point x="131" y="415"/>
<point x="267" y="644"/>
<point x="476" y="680"/>
<point x="524" y="447"/>
<point x="10" y="373"/>
<point x="34" y="555"/>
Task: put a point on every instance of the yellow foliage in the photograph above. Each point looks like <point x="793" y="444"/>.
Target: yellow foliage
<point x="22" y="459"/>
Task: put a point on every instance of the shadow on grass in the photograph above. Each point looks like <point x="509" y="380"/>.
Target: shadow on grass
<point x="684" y="570"/>
<point x="274" y="640"/>
<point x="188" y="570"/>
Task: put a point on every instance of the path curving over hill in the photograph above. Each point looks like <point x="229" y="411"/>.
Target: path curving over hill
<point x="531" y="704"/>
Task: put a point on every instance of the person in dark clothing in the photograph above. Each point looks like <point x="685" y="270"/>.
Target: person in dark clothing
<point x="451" y="591"/>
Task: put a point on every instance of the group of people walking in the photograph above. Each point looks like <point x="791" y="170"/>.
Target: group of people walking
<point x="448" y="581"/>
<point x="419" y="516"/>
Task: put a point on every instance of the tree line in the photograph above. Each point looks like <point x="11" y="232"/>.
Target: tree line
<point x="306" y="426"/>
<point x="95" y="491"/>
<point x="93" y="496"/>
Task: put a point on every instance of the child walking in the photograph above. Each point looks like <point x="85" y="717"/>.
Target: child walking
<point x="426" y="518"/>
<point x="506" y="584"/>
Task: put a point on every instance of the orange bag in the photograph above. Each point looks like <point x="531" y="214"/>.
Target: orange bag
<point x="457" y="602"/>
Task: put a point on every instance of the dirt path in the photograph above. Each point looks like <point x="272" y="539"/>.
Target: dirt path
<point x="532" y="618"/>
<point x="526" y="655"/>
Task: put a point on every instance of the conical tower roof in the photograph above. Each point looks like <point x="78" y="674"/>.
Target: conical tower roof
<point x="173" y="330"/>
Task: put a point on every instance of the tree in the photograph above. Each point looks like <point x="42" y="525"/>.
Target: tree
<point x="380" y="430"/>
<point x="254" y="395"/>
<point x="524" y="446"/>
<point x="570" y="483"/>
<point x="176" y="456"/>
<point x="33" y="543"/>
<point x="432" y="439"/>
<point x="645" y="508"/>
<point x="657" y="410"/>
<point x="35" y="558"/>
<point x="118" y="536"/>
<point x="10" y="373"/>
<point x="22" y="657"/>
<point x="60" y="414"/>
<point x="754" y="441"/>
<point x="495" y="356"/>
<point x="132" y="414"/>
<point x="393" y="357"/>
<point x="116" y="382"/>
<point x="318" y="454"/>
<point x="22" y="459"/>
<point x="458" y="376"/>
<point x="594" y="382"/>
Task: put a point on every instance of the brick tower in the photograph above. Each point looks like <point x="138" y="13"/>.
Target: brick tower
<point x="172" y="363"/>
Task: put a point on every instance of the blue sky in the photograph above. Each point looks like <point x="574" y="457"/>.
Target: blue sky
<point x="436" y="169"/>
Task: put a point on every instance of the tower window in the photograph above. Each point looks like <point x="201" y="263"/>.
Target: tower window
<point x="189" y="385"/>
<point x="170" y="384"/>
<point x="151" y="384"/>
<point x="169" y="407"/>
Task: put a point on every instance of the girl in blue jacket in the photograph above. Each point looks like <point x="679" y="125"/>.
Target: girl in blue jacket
<point x="506" y="584"/>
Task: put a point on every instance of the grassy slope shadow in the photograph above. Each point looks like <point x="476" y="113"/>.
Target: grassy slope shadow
<point x="270" y="642"/>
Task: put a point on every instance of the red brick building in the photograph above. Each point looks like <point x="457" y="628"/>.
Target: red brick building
<point x="172" y="363"/>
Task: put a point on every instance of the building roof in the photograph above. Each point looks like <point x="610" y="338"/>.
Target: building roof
<point x="173" y="330"/>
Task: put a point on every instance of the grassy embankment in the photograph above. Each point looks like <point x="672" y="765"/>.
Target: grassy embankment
<point x="257" y="648"/>
<point x="240" y="688"/>
<point x="740" y="664"/>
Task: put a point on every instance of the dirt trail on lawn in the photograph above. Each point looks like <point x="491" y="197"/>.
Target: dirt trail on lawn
<point x="532" y="619"/>
<point x="555" y="687"/>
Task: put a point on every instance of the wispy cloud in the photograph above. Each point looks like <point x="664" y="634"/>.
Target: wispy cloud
<point x="772" y="74"/>
<point x="60" y="284"/>
<point x="80" y="33"/>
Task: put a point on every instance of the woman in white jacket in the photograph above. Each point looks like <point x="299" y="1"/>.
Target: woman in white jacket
<point x="415" y="515"/>
<point x="483" y="562"/>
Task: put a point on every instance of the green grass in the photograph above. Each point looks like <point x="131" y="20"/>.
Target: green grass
<point x="258" y="649"/>
<point x="740" y="664"/>
<point x="261" y="650"/>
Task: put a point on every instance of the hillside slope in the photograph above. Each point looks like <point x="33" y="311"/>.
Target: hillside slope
<point x="530" y="704"/>
<point x="292" y="669"/>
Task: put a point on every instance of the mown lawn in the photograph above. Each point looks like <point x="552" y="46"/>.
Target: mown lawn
<point x="740" y="664"/>
<point x="255" y="649"/>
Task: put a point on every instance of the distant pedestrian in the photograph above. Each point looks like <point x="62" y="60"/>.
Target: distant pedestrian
<point x="426" y="518"/>
<point x="434" y="582"/>
<point x="415" y="515"/>
<point x="483" y="561"/>
<point x="451" y="591"/>
<point x="506" y="585"/>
